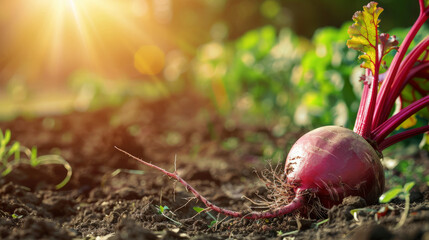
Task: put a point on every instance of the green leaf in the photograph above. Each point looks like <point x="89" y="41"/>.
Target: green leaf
<point x="389" y="195"/>
<point x="6" y="171"/>
<point x="16" y="216"/>
<point x="4" y="140"/>
<point x="162" y="209"/>
<point x="33" y="158"/>
<point x="363" y="33"/>
<point x="212" y="223"/>
<point x="198" y="209"/>
<point x="366" y="39"/>
<point x="15" y="150"/>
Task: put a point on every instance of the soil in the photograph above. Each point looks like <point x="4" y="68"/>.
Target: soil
<point x="217" y="155"/>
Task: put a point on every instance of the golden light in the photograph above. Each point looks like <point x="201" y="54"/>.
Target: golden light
<point x="47" y="40"/>
<point x="149" y="60"/>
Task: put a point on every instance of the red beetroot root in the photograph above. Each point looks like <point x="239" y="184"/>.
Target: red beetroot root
<point x="333" y="163"/>
<point x="324" y="166"/>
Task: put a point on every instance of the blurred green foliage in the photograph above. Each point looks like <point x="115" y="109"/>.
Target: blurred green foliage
<point x="269" y="73"/>
<point x="275" y="74"/>
<point x="329" y="88"/>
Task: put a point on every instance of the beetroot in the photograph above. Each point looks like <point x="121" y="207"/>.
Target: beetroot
<point x="330" y="163"/>
<point x="323" y="167"/>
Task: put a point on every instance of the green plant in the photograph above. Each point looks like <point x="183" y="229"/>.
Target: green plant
<point x="251" y="74"/>
<point x="214" y="220"/>
<point x="401" y="192"/>
<point x="163" y="211"/>
<point x="10" y="156"/>
<point x="326" y="81"/>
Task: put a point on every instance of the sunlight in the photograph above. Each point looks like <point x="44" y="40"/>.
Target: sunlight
<point x="50" y="39"/>
<point x="149" y="60"/>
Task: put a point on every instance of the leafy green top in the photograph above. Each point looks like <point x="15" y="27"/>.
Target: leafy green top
<point x="365" y="38"/>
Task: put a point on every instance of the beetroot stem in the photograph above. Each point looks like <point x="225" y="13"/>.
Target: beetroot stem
<point x="372" y="99"/>
<point x="360" y="115"/>
<point x="296" y="203"/>
<point x="367" y="105"/>
<point x="382" y="131"/>
<point x="401" y="136"/>
<point x="405" y="70"/>
<point x="382" y="112"/>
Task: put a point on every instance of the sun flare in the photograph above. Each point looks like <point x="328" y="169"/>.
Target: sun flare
<point x="50" y="39"/>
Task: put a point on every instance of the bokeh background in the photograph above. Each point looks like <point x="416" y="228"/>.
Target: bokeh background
<point x="266" y="60"/>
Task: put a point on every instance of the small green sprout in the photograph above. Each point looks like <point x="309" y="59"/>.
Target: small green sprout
<point x="213" y="222"/>
<point x="398" y="191"/>
<point x="316" y="225"/>
<point x="7" y="162"/>
<point x="356" y="211"/>
<point x="288" y="233"/>
<point x="403" y="193"/>
<point x="16" y="216"/>
<point x="162" y="210"/>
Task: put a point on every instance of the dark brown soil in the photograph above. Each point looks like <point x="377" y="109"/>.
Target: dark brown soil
<point x="96" y="204"/>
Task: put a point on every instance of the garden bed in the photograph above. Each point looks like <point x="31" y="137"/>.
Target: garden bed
<point x="218" y="156"/>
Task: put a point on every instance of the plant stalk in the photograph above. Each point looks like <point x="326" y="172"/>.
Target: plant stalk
<point x="382" y="131"/>
<point x="401" y="136"/>
<point x="386" y="95"/>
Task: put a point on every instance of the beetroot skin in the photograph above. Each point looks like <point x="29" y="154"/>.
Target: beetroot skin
<point x="332" y="163"/>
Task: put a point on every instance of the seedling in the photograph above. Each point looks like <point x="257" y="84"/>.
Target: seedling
<point x="10" y="156"/>
<point x="356" y="211"/>
<point x="316" y="225"/>
<point x="16" y="216"/>
<point x="214" y="220"/>
<point x="401" y="192"/>
<point x="163" y="210"/>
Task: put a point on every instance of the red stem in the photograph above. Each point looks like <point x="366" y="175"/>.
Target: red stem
<point x="358" y="128"/>
<point x="297" y="202"/>
<point x="386" y="95"/>
<point x="368" y="100"/>
<point x="372" y="99"/>
<point x="382" y="131"/>
<point x="401" y="136"/>
<point x="407" y="68"/>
